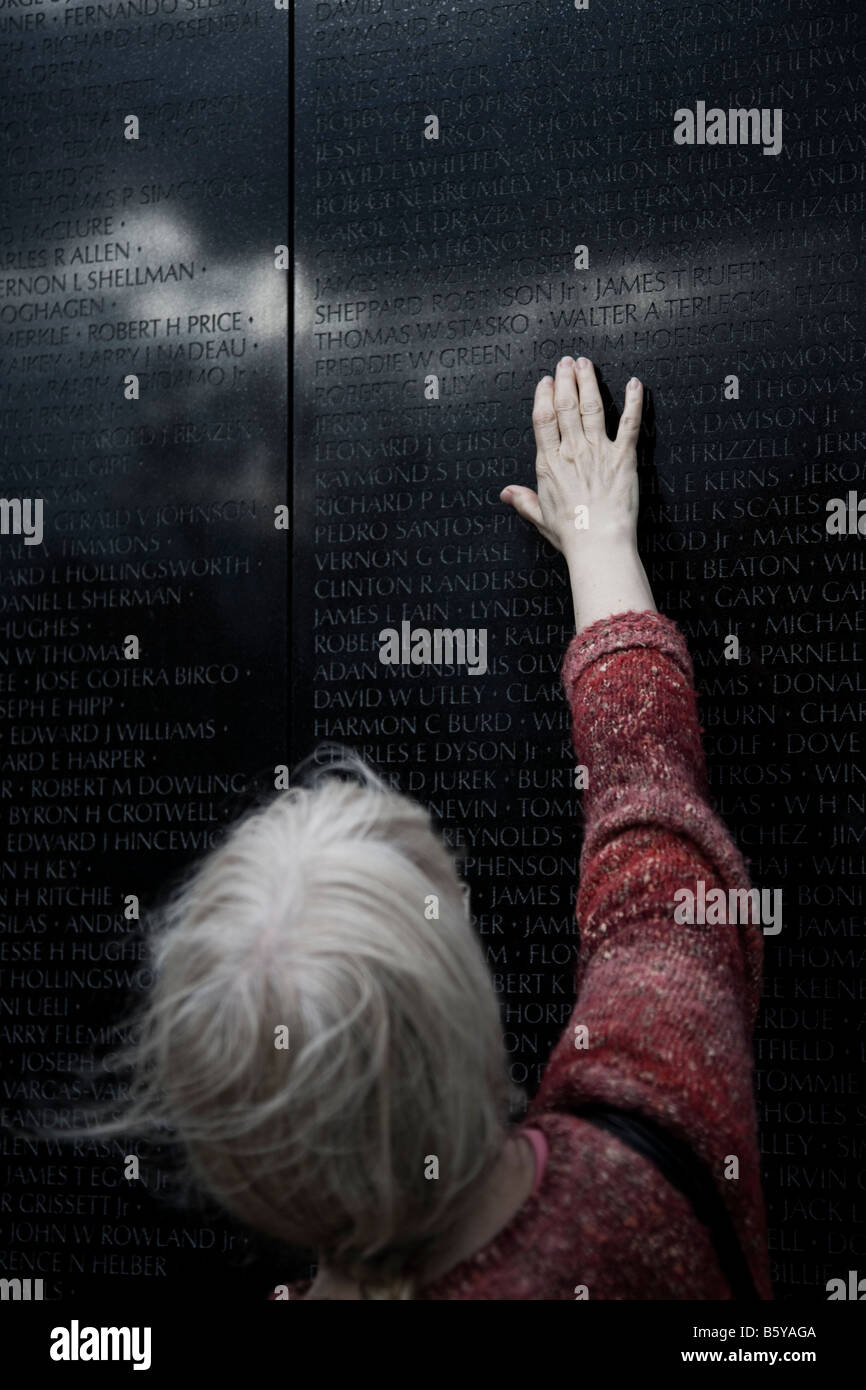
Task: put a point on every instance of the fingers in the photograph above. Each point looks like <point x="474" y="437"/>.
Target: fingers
<point x="544" y="419"/>
<point x="568" y="407"/>
<point x="569" y="410"/>
<point x="629" y="421"/>
<point x="591" y="408"/>
<point x="525" y="502"/>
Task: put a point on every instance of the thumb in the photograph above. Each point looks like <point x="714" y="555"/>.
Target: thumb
<point x="525" y="502"/>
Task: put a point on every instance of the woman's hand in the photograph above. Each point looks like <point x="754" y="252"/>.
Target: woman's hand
<point x="577" y="466"/>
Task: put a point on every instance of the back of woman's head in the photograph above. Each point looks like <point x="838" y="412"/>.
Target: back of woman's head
<point x="322" y="1033"/>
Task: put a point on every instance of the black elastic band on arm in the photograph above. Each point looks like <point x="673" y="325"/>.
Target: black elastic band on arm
<point x="684" y="1170"/>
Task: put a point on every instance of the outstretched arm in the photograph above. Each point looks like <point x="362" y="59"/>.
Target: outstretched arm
<point x="667" y="1007"/>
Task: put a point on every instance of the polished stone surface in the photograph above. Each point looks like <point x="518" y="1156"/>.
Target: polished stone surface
<point x="459" y="256"/>
<point x="143" y="337"/>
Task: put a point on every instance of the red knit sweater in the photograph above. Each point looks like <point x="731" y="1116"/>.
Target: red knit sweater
<point x="669" y="1009"/>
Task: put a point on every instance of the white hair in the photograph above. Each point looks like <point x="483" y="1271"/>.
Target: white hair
<point x="333" y="911"/>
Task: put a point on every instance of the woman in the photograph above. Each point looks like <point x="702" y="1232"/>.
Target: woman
<point x="324" y="1038"/>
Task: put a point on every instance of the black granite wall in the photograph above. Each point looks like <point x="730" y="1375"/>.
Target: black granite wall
<point x="142" y="391"/>
<point x="143" y="356"/>
<point x="453" y="251"/>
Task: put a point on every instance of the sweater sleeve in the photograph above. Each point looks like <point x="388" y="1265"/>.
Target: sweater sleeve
<point x="668" y="1008"/>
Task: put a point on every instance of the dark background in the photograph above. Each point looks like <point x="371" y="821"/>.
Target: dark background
<point x="412" y="256"/>
<point x="186" y="219"/>
<point x="556" y="129"/>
